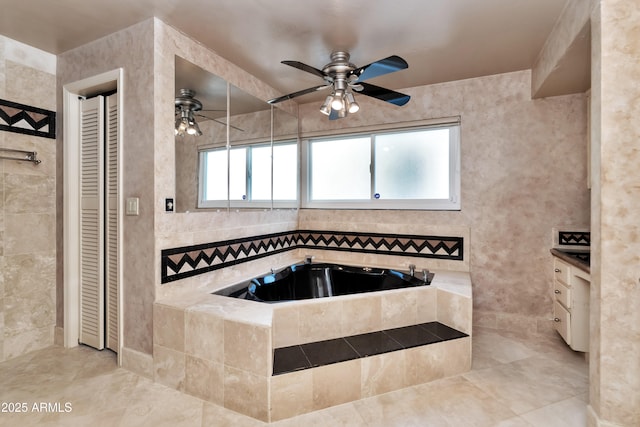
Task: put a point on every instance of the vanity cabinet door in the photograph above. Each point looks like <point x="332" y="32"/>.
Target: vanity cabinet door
<point x="561" y="271"/>
<point x="562" y="293"/>
<point x="562" y="321"/>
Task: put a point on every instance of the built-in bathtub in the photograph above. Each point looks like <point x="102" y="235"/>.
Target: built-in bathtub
<point x="318" y="280"/>
<point x="224" y="350"/>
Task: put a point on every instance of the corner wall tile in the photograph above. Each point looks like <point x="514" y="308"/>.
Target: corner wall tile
<point x="399" y="309"/>
<point x="246" y="393"/>
<point x="336" y="384"/>
<point x="204" y="334"/>
<point x="291" y="394"/>
<point x="455" y="311"/>
<point x="247" y="347"/>
<point x="168" y="367"/>
<point x="204" y="379"/>
<point x="383" y="373"/>
<point x="361" y="315"/>
<point x="286" y="322"/>
<point x="168" y="327"/>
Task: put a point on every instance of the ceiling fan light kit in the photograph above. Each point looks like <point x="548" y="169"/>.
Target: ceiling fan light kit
<point x="344" y="78"/>
<point x="186" y="105"/>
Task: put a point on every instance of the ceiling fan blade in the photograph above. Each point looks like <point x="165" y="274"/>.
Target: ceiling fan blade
<point x="298" y="93"/>
<point x="383" y="94"/>
<point x="304" y="67"/>
<point x="379" y="68"/>
<point x="218" y="121"/>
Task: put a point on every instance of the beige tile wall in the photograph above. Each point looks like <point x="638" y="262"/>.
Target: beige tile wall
<point x="129" y="49"/>
<point x="614" y="368"/>
<point x="27" y="209"/>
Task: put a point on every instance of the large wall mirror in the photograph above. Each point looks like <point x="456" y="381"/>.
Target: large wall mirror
<point x="247" y="155"/>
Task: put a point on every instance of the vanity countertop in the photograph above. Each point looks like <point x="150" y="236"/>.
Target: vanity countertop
<point x="580" y="258"/>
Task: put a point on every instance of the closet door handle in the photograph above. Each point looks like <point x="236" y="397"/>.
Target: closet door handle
<point x="557" y="320"/>
<point x="557" y="291"/>
<point x="557" y="270"/>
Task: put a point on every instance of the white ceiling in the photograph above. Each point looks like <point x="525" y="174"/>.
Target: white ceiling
<point x="442" y="40"/>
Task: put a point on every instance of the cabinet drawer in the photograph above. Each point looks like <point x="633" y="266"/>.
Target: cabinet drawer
<point x="562" y="320"/>
<point x="561" y="270"/>
<point x="562" y="293"/>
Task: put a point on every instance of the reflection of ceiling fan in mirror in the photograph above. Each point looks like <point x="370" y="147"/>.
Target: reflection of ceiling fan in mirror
<point x="344" y="78"/>
<point x="187" y="108"/>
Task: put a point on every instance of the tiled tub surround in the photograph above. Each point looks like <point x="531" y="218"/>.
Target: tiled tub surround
<point x="221" y="349"/>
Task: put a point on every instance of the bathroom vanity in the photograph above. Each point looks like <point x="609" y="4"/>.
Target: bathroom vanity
<point x="571" y="283"/>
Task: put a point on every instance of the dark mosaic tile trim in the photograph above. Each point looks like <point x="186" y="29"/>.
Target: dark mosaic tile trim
<point x="187" y="261"/>
<point x="574" y="238"/>
<point x="20" y="118"/>
<point x="321" y="353"/>
<point x="388" y="244"/>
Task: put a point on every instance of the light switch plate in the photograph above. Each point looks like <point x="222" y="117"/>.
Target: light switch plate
<point x="168" y="205"/>
<point x="132" y="207"/>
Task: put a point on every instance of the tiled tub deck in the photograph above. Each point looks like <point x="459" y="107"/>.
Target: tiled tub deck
<point x="237" y="353"/>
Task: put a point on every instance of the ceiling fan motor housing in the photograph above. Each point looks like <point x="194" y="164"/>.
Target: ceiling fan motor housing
<point x="187" y="102"/>
<point x="339" y="66"/>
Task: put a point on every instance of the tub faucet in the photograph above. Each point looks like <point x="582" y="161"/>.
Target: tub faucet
<point x="412" y="269"/>
<point x="425" y="275"/>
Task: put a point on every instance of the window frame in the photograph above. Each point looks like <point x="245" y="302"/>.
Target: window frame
<point x="450" y="204"/>
<point x="248" y="203"/>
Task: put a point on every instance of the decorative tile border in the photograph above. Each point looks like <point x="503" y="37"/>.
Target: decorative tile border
<point x="187" y="261"/>
<point x="574" y="238"/>
<point x="27" y="120"/>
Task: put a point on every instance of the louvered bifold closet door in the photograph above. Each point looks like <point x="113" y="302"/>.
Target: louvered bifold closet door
<point x="92" y="223"/>
<point x="111" y="186"/>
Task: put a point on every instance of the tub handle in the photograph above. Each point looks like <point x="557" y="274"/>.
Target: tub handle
<point x="425" y="275"/>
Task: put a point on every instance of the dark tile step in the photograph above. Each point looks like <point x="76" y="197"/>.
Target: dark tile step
<point x="320" y="353"/>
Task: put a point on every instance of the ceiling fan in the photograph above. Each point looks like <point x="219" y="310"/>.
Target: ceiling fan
<point x="344" y="78"/>
<point x="187" y="108"/>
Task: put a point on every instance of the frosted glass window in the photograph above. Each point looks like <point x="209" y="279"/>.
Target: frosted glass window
<point x="215" y="163"/>
<point x="261" y="173"/>
<point x="412" y="165"/>
<point x="216" y="176"/>
<point x="410" y="168"/>
<point x="285" y="172"/>
<point x="238" y="174"/>
<point x="340" y="169"/>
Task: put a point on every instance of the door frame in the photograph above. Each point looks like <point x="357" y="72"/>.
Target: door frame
<point x="71" y="95"/>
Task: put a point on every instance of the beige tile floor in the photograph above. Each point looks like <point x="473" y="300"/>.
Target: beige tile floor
<point x="515" y="382"/>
